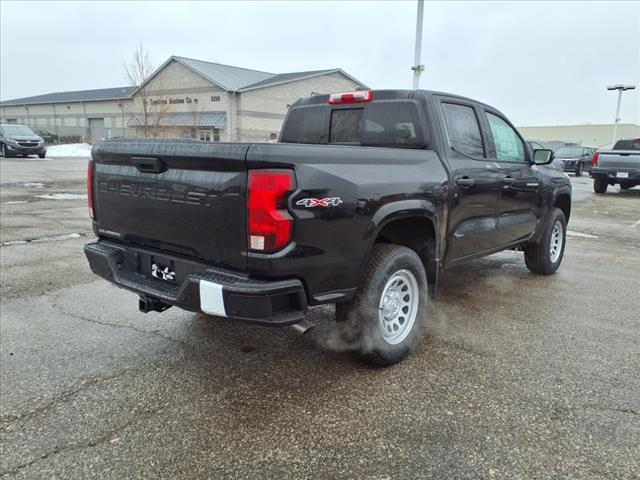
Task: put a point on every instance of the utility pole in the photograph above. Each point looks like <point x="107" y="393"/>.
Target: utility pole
<point x="417" y="67"/>
<point x="620" y="89"/>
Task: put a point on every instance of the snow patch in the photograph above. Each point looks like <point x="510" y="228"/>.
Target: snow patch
<point x="63" y="196"/>
<point x="32" y="185"/>
<point x="14" y="202"/>
<point x="69" y="150"/>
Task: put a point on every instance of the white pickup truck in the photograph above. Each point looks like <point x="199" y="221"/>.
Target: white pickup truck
<point x="618" y="166"/>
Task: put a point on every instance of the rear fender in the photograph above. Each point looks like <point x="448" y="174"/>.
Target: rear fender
<point x="407" y="209"/>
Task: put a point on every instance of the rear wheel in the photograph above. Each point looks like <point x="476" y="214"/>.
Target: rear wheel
<point x="385" y="318"/>
<point x="600" y="185"/>
<point x="545" y="256"/>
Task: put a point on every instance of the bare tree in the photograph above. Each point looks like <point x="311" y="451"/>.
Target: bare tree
<point x="154" y="103"/>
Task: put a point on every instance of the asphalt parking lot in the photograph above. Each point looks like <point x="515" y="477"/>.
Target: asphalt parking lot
<point x="517" y="376"/>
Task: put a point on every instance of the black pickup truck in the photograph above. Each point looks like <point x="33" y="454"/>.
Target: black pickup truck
<point x="366" y="197"/>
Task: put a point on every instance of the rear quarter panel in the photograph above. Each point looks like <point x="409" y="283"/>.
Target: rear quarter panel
<point x="374" y="185"/>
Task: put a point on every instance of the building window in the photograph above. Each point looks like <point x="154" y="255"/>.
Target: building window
<point x="216" y="134"/>
<point x="205" y="135"/>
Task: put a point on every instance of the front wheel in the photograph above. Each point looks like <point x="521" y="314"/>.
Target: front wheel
<point x="600" y="185"/>
<point x="545" y="256"/>
<point x="42" y="155"/>
<point x="385" y="318"/>
<point x="579" y="170"/>
<point x="3" y="151"/>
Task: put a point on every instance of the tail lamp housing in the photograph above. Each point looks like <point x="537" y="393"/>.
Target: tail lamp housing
<point x="594" y="160"/>
<point x="90" y="189"/>
<point x="270" y="226"/>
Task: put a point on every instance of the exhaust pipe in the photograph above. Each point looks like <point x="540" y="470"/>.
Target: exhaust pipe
<point x="303" y="326"/>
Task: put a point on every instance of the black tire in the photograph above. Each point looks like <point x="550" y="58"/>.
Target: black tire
<point x="42" y="155"/>
<point x="600" y="184"/>
<point x="3" y="151"/>
<point x="360" y="321"/>
<point x="538" y="256"/>
<point x="626" y="186"/>
<point x="579" y="170"/>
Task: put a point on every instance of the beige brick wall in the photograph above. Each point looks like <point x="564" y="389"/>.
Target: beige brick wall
<point x="189" y="93"/>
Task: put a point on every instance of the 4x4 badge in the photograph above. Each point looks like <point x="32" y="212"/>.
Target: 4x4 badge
<point x="319" y="202"/>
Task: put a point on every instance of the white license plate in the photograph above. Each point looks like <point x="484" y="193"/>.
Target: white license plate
<point x="622" y="174"/>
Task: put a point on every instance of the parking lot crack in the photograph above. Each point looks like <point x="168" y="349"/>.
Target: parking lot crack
<point x="34" y="412"/>
<point x="80" y="445"/>
<point x="114" y="325"/>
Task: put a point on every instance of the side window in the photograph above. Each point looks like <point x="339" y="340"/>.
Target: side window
<point x="463" y="129"/>
<point x="509" y="147"/>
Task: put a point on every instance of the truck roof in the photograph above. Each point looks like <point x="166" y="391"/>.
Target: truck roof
<point x="388" y="94"/>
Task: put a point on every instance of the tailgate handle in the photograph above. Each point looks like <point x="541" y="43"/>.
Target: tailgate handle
<point x="149" y="164"/>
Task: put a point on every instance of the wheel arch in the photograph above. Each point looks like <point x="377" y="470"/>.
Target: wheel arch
<point x="563" y="202"/>
<point x="413" y="224"/>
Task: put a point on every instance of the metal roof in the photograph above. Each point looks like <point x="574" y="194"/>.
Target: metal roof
<point x="75" y="96"/>
<point x="228" y="77"/>
<point x="183" y="119"/>
<point x="286" y="77"/>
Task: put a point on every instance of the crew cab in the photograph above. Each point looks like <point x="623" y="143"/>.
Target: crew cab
<point x="364" y="200"/>
<point x="618" y="166"/>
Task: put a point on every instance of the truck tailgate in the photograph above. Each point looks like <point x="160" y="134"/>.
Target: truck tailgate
<point x="182" y="196"/>
<point x="619" y="159"/>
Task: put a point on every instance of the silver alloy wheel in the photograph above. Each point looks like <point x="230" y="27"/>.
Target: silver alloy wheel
<point x="555" y="245"/>
<point x="398" y="306"/>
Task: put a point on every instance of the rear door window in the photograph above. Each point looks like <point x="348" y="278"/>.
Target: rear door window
<point x="463" y="129"/>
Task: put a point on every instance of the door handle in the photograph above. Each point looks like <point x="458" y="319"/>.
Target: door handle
<point x="149" y="164"/>
<point x="466" y="182"/>
<point x="508" y="180"/>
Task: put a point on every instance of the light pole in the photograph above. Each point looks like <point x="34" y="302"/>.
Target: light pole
<point x="620" y="88"/>
<point x="417" y="67"/>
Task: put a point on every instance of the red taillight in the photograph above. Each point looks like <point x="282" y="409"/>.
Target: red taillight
<point x="90" y="189"/>
<point x="594" y="160"/>
<point x="351" y="97"/>
<point x="270" y="225"/>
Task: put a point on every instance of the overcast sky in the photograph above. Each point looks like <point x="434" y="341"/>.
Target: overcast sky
<point x="541" y="63"/>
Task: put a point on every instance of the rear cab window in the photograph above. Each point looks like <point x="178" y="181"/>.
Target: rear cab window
<point x="384" y="123"/>
<point x="628" y="144"/>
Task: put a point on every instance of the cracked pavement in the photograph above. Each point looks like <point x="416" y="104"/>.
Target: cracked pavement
<point x="517" y="376"/>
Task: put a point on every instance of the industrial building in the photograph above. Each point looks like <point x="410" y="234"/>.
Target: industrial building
<point x="590" y="135"/>
<point x="214" y="102"/>
<point x="182" y="98"/>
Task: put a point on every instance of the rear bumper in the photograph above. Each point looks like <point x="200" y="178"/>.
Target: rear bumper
<point x="612" y="175"/>
<point x="199" y="287"/>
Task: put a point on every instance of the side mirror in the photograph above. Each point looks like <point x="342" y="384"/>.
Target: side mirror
<point x="542" y="156"/>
